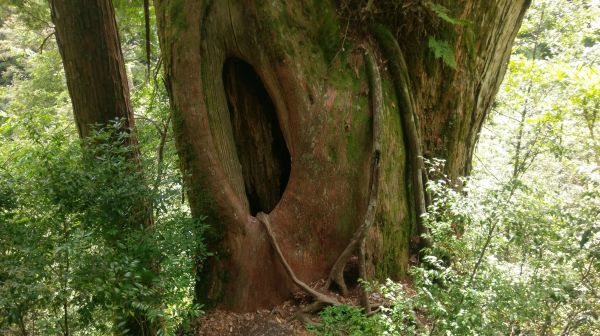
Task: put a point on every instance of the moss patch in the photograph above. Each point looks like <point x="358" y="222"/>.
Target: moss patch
<point x="177" y="14"/>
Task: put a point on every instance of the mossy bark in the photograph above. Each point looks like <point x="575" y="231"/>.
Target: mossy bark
<point x="309" y="58"/>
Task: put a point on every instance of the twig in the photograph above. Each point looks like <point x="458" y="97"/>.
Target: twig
<point x="343" y="40"/>
<point x="161" y="154"/>
<point x="46" y="40"/>
<point x="486" y="168"/>
<point x="153" y="122"/>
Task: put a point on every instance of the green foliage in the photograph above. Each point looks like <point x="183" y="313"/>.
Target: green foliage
<point x="489" y="281"/>
<point x="35" y="14"/>
<point x="72" y="250"/>
<point x="72" y="240"/>
<point x="328" y="34"/>
<point x="399" y="318"/>
<point x="396" y="318"/>
<point x="477" y="278"/>
<point x="444" y="14"/>
<point x="443" y="50"/>
<point x="345" y="320"/>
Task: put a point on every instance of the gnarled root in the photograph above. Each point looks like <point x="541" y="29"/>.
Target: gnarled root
<point x="357" y="242"/>
<point x="318" y="296"/>
<point x="410" y="123"/>
<point x="336" y="275"/>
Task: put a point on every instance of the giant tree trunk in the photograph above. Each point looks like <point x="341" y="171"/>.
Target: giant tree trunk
<point x="89" y="45"/>
<point x="272" y="114"/>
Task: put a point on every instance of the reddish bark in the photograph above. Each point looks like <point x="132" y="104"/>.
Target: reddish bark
<point x="309" y="58"/>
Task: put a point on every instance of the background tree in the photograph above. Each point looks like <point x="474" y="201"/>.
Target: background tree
<point x="89" y="44"/>
<point x="276" y="109"/>
<point x="70" y="234"/>
<point x="91" y="51"/>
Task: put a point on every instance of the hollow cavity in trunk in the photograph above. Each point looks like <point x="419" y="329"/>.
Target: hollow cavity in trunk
<point x="261" y="148"/>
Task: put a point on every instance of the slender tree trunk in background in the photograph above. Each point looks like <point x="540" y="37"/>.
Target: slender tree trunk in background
<point x="89" y="44"/>
<point x="272" y="114"/>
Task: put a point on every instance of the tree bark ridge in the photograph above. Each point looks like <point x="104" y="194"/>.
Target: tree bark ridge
<point x="336" y="274"/>
<point x="410" y="125"/>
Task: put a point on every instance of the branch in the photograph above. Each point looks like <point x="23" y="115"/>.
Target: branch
<point x="147" y="26"/>
<point x="153" y="122"/>
<point x="46" y="40"/>
<point x="161" y="153"/>
<point x="163" y="139"/>
<point x="32" y="15"/>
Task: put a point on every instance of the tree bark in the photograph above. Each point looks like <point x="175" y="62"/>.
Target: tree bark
<point x="89" y="45"/>
<point x="308" y="59"/>
<point x="91" y="52"/>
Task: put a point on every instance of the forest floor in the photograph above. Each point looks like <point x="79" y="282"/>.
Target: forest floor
<point x="280" y="321"/>
<point x="277" y="322"/>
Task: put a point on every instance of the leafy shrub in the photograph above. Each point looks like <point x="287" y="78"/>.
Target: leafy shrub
<point x="510" y="259"/>
<point x="346" y="320"/>
<point x="73" y="251"/>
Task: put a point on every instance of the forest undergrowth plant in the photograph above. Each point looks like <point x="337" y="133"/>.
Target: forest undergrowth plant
<point x="71" y="261"/>
<point x="473" y="280"/>
<point x="346" y="320"/>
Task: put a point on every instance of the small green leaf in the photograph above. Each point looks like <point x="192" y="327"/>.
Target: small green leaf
<point x="442" y="13"/>
<point x="441" y="49"/>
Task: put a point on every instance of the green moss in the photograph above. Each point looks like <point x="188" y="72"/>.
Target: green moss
<point x="177" y="14"/>
<point x="328" y="34"/>
<point x="352" y="148"/>
<point x="311" y="46"/>
<point x="348" y="221"/>
<point x="395" y="218"/>
<point x="357" y="144"/>
<point x="394" y="261"/>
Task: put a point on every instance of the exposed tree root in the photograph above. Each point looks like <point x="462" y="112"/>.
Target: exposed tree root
<point x="362" y="269"/>
<point x="357" y="243"/>
<point x="264" y="219"/>
<point x="303" y="315"/>
<point x="407" y="108"/>
<point x="321" y="299"/>
<point x="336" y="275"/>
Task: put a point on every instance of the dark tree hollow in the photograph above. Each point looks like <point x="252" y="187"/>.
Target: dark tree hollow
<point x="260" y="145"/>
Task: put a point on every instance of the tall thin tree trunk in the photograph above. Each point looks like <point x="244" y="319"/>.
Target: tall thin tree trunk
<point x="88" y="41"/>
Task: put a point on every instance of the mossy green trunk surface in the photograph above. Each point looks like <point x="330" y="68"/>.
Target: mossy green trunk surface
<point x="272" y="114"/>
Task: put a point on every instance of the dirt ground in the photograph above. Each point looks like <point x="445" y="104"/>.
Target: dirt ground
<point x="280" y="321"/>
